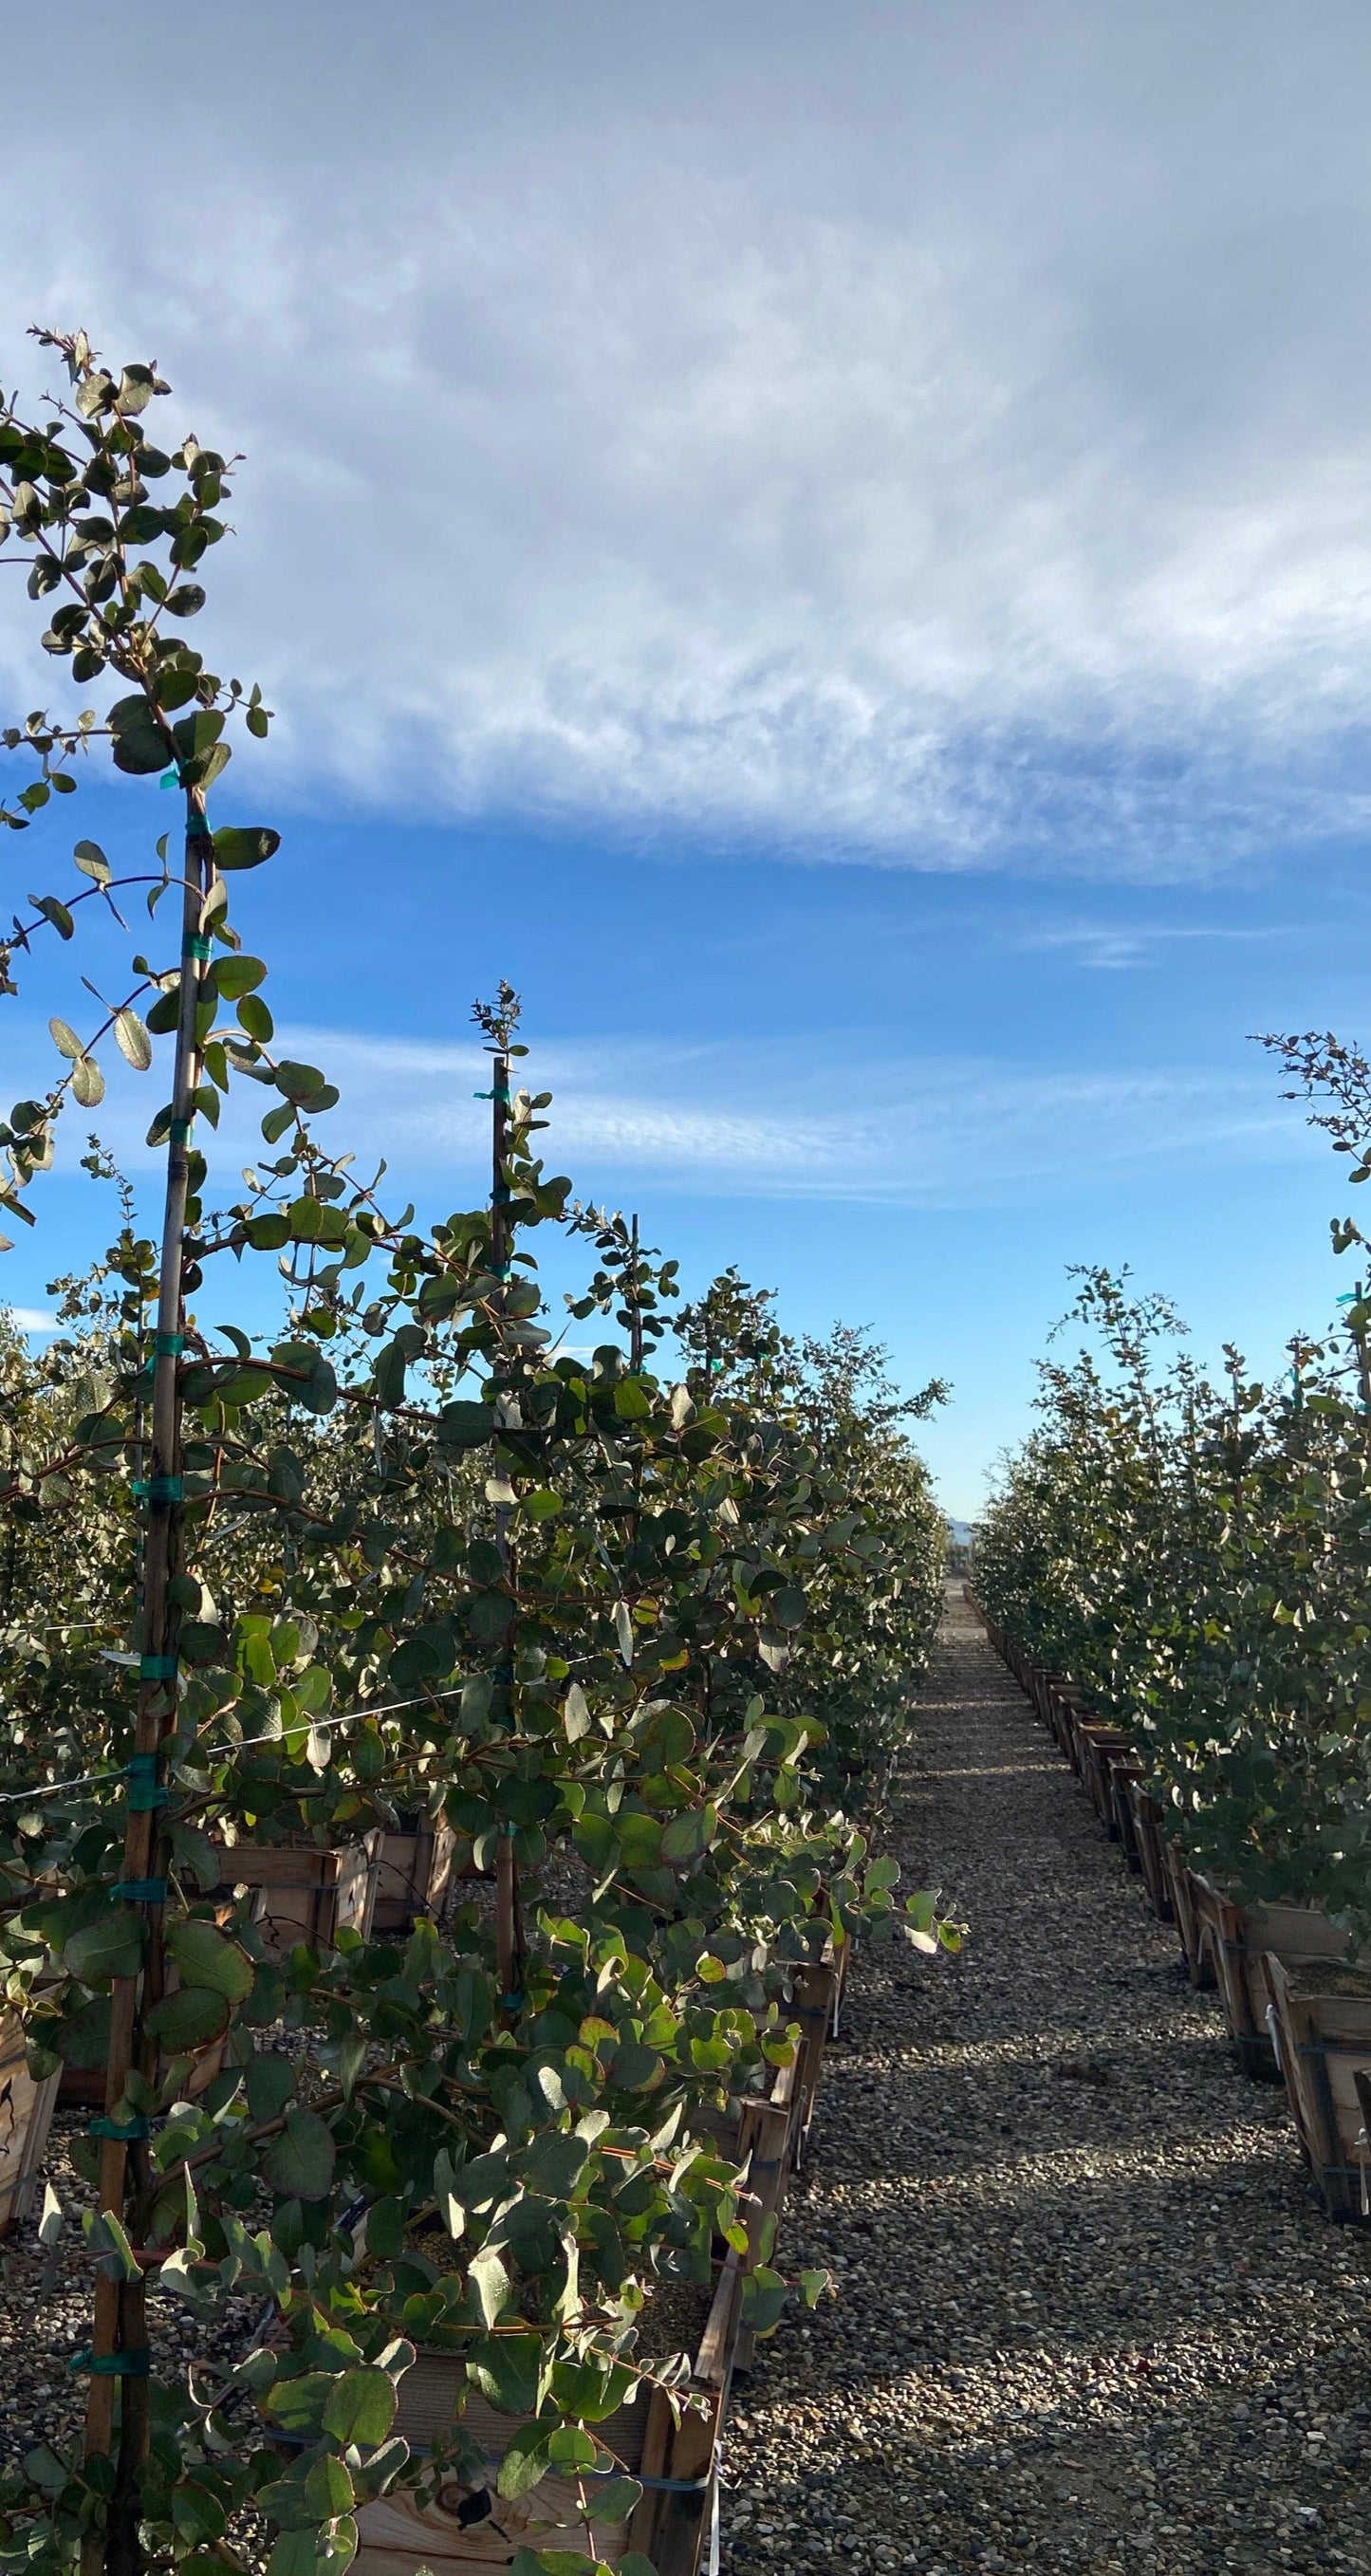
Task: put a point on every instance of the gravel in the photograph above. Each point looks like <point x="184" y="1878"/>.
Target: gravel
<point x="1089" y="2316"/>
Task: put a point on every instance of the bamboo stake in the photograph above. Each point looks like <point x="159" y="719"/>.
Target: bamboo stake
<point x="508" y="1946"/>
<point x="120" y="2318"/>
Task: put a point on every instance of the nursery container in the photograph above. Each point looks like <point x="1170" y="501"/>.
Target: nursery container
<point x="414" y="1868"/>
<point x="26" y="2108"/>
<point x="1242" y="1938"/>
<point x="309" y="1895"/>
<point x="1321" y="2025"/>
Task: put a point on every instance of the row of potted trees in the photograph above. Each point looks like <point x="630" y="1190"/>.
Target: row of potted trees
<point x="1179" y="1570"/>
<point x="438" y="1766"/>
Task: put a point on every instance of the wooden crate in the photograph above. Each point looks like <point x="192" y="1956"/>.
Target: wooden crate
<point x="308" y="1895"/>
<point x="677" y="2464"/>
<point x="27" y="2103"/>
<point x="1124" y="1769"/>
<point x="414" y="1870"/>
<point x="1147" y="1829"/>
<point x="1196" y="1936"/>
<point x="1096" y="1742"/>
<point x="1064" y="1713"/>
<point x="1321" y="2026"/>
<point x="1243" y="1937"/>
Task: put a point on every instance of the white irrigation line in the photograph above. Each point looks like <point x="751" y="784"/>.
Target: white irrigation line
<point x="344" y="1717"/>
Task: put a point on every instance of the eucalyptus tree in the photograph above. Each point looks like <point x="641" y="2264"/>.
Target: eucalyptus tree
<point x="410" y="1554"/>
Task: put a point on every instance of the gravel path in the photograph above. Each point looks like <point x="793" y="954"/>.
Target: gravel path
<point x="1089" y="2316"/>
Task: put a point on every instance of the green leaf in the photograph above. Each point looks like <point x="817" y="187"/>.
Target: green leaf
<point x="187" y="2019"/>
<point x="92" y="862"/>
<point x="234" y="976"/>
<point x="65" y="1040"/>
<point x="195" y="736"/>
<point x="87" y="1083"/>
<point x="140" y="742"/>
<point x="244" y="846"/>
<point x="271" y="2082"/>
<point x="256" y="1019"/>
<point x="206" y="1958"/>
<point x="328" y="2489"/>
<point x="525" y="2461"/>
<point x="133" y="1040"/>
<point x="491" y="2283"/>
<point x="52" y="910"/>
<point x="299" y="2163"/>
<point x="688" y="1835"/>
<point x="361" y="2408"/>
<point x="788" y="1607"/>
<point x="554" y="2164"/>
<point x="110" y="1947"/>
<point x="299" y="1081"/>
<point x="295" y="2554"/>
<point x="764" y="2297"/>
<point x="506" y="2369"/>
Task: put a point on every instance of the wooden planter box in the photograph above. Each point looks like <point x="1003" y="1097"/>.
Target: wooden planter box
<point x="1243" y="1938"/>
<point x="817" y="2001"/>
<point x="1321" y="2025"/>
<point x="1124" y="1770"/>
<point x="27" y="2103"/>
<point x="308" y="1895"/>
<point x="1196" y="1936"/>
<point x="1147" y="1832"/>
<point x="677" y="2464"/>
<point x="1096" y="1744"/>
<point x="1064" y="1717"/>
<point x="414" y="1870"/>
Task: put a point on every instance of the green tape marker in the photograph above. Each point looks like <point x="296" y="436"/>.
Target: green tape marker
<point x="134" y="2364"/>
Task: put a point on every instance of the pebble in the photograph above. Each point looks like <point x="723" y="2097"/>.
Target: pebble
<point x="1089" y="2316"/>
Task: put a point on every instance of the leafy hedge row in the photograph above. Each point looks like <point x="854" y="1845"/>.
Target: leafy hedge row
<point x="643" y="1634"/>
<point x="1196" y="1556"/>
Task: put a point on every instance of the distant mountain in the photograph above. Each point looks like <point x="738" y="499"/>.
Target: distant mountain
<point x="960" y="1532"/>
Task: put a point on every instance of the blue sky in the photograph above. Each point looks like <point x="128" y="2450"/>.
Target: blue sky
<point x="832" y="547"/>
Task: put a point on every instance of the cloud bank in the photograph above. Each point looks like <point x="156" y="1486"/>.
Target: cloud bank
<point x="832" y="1119"/>
<point x="933" y="437"/>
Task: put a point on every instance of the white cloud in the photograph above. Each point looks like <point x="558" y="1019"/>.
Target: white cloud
<point x="829" y="1120"/>
<point x="32" y="1319"/>
<point x="924" y="435"/>
<point x="1112" y="947"/>
<point x="830" y="1117"/>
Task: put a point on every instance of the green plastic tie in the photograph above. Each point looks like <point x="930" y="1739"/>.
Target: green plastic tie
<point x="168" y="1346"/>
<point x="145" y="1790"/>
<point x="134" y="2364"/>
<point x="159" y="1489"/>
<point x="510" y="2003"/>
<point x="140" y="1891"/>
<point x="178" y="1133"/>
<point x="156" y="1668"/>
<point x="123" y="2130"/>
<point x="197" y="946"/>
<point x="170" y="780"/>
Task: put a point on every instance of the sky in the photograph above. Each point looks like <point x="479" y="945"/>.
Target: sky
<point x="832" y="547"/>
